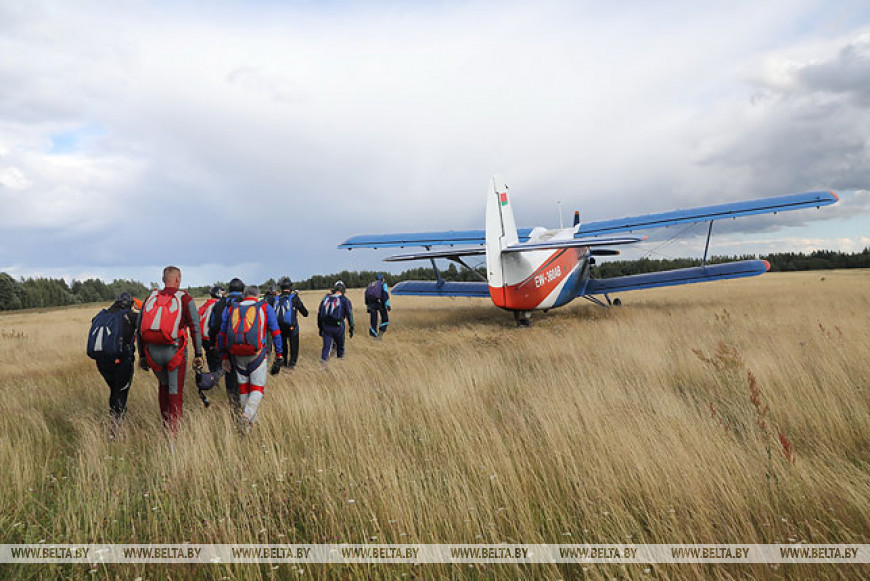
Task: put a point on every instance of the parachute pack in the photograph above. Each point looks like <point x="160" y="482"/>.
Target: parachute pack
<point x="204" y="316"/>
<point x="106" y="337"/>
<point x="161" y="318"/>
<point x="331" y="310"/>
<point x="285" y="311"/>
<point x="375" y="291"/>
<point x="246" y="331"/>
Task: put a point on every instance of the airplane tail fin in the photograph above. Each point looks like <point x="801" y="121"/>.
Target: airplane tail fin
<point x="501" y="232"/>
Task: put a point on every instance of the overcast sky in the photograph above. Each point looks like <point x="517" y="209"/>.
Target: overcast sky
<point x="250" y="138"/>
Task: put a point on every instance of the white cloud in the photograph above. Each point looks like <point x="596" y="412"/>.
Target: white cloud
<point x="238" y="130"/>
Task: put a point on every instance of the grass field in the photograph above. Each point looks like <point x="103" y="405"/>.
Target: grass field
<point x="732" y="412"/>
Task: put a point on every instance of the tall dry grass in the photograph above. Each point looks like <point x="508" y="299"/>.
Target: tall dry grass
<point x="734" y="412"/>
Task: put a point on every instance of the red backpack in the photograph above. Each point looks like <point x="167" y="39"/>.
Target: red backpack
<point x="204" y="316"/>
<point x="161" y="318"/>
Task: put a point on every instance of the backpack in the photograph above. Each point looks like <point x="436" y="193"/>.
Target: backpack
<point x="285" y="311"/>
<point x="204" y="318"/>
<point x="161" y="318"/>
<point x="217" y="316"/>
<point x="246" y="329"/>
<point x="331" y="310"/>
<point x="106" y="337"/>
<point x="375" y="291"/>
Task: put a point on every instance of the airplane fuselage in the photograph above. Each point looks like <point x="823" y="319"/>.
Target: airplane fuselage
<point x="533" y="280"/>
<point x="543" y="279"/>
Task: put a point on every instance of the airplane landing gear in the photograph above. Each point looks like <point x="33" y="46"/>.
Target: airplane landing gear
<point x="617" y="303"/>
<point x="523" y="318"/>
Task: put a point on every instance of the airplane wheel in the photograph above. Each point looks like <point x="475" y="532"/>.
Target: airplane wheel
<point x="617" y="302"/>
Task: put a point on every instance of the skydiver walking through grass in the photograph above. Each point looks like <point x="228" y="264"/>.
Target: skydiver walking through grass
<point x="167" y="317"/>
<point x="242" y="342"/>
<point x="288" y="307"/>
<point x="378" y="303"/>
<point x="111" y="342"/>
<point x="209" y="341"/>
<point x="334" y="309"/>
<point x="234" y="295"/>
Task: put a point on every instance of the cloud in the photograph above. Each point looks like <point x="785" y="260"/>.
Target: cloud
<point x="265" y="135"/>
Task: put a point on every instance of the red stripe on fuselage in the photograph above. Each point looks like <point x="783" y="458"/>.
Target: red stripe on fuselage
<point x="531" y="292"/>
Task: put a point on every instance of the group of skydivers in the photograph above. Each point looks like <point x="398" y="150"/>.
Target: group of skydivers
<point x="232" y="333"/>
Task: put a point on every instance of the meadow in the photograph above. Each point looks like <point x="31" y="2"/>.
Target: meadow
<point x="730" y="412"/>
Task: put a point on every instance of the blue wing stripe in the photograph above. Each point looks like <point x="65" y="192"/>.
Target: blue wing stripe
<point x="706" y="213"/>
<point x="740" y="269"/>
<point x="446" y="238"/>
<point x="431" y="288"/>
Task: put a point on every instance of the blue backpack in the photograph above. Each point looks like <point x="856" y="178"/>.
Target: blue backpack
<point x="106" y="337"/>
<point x="331" y="310"/>
<point x="285" y="311"/>
<point x="246" y="328"/>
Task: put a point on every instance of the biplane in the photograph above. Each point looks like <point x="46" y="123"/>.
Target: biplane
<point x="530" y="269"/>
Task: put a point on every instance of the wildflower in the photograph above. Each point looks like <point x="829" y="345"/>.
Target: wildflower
<point x="787" y="447"/>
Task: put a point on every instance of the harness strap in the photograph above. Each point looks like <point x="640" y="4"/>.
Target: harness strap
<point x="246" y="371"/>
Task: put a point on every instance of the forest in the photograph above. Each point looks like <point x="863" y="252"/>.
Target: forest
<point x="31" y="293"/>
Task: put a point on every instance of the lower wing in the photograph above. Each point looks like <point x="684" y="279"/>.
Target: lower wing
<point x="432" y="288"/>
<point x="741" y="269"/>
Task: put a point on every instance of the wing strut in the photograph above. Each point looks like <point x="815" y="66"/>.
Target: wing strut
<point x="439" y="281"/>
<point x="707" y="246"/>
<point x="458" y="260"/>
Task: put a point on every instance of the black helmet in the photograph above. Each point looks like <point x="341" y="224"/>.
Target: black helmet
<point x="236" y="285"/>
<point x="125" y="300"/>
<point x="339" y="286"/>
<point x="285" y="283"/>
<point x="216" y="292"/>
<point x="206" y="381"/>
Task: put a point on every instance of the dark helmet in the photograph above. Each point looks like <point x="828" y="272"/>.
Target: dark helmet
<point x="285" y="283"/>
<point x="205" y="381"/>
<point x="380" y="276"/>
<point x="125" y="300"/>
<point x="339" y="286"/>
<point x="236" y="285"/>
<point x="216" y="292"/>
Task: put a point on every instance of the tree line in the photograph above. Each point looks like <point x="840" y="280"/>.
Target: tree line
<point x="33" y="293"/>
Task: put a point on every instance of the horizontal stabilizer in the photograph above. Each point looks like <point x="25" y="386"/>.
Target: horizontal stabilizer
<point x="446" y="238"/>
<point x="452" y="253"/>
<point x="740" y="269"/>
<point x="707" y="213"/>
<point x="431" y="288"/>
<point x="574" y="243"/>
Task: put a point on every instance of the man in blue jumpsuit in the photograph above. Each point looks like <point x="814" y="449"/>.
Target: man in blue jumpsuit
<point x="378" y="303"/>
<point x="288" y="307"/>
<point x="333" y="310"/>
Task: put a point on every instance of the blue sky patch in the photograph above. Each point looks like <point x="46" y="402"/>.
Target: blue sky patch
<point x="72" y="140"/>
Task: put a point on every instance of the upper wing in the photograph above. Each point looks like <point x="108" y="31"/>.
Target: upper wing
<point x="446" y="238"/>
<point x="741" y="269"/>
<point x="703" y="214"/>
<point x="527" y="247"/>
<point x="431" y="288"/>
<point x="707" y="213"/>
